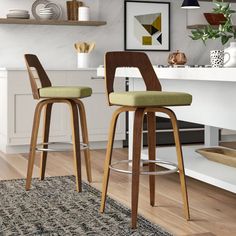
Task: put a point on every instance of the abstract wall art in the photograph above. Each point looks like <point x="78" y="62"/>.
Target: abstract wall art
<point x="147" y="26"/>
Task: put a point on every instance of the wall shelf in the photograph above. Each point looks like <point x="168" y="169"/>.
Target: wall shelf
<point x="201" y="26"/>
<point x="51" y="22"/>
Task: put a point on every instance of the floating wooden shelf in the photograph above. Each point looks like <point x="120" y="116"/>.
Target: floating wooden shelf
<point x="201" y="26"/>
<point x="51" y="22"/>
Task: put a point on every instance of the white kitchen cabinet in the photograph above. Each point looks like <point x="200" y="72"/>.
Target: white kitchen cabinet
<point x="17" y="109"/>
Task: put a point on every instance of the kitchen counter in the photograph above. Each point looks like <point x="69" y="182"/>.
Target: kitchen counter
<point x="186" y="73"/>
<point x="3" y="69"/>
<point x="214" y="105"/>
<point x="213" y="90"/>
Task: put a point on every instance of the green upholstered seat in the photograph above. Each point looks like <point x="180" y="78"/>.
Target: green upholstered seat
<point x="65" y="92"/>
<point x="150" y="98"/>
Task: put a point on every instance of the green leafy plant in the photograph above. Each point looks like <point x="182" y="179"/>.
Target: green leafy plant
<point x="225" y="31"/>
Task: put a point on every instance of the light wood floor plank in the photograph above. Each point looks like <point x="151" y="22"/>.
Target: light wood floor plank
<point x="213" y="211"/>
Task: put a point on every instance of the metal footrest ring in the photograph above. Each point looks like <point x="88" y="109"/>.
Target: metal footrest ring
<point x="42" y="149"/>
<point x="174" y="168"/>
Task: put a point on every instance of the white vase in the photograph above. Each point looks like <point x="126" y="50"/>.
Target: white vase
<point x="230" y="55"/>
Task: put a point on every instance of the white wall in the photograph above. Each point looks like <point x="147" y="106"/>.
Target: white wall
<point x="54" y="44"/>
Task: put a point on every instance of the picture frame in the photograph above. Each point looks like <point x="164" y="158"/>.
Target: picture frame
<point x="146" y="26"/>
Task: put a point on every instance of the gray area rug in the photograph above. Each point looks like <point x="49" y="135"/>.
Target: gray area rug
<point x="53" y="207"/>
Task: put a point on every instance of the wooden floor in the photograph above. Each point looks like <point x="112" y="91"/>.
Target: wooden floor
<point x="213" y="211"/>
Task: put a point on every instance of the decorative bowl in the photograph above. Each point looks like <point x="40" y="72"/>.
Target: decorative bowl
<point x="215" y="18"/>
<point x="224" y="156"/>
<point x="177" y="58"/>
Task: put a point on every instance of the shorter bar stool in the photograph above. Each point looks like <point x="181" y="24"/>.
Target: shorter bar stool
<point x="142" y="102"/>
<point x="48" y="95"/>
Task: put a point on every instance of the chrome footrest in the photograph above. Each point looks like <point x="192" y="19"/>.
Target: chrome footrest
<point x="40" y="147"/>
<point x="174" y="168"/>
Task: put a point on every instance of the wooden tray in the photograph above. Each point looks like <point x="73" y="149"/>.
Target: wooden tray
<point x="222" y="155"/>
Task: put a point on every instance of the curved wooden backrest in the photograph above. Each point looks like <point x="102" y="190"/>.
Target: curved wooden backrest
<point x="139" y="60"/>
<point x="32" y="62"/>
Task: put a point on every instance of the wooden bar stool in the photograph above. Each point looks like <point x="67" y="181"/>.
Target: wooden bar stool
<point x="150" y="101"/>
<point x="50" y="95"/>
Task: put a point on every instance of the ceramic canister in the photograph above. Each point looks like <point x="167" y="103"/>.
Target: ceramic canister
<point x="83" y="13"/>
<point x="83" y="60"/>
<point x="217" y="58"/>
<point x="72" y="9"/>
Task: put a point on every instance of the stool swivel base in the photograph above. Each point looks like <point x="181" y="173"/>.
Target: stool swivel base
<point x="73" y="104"/>
<point x="136" y="161"/>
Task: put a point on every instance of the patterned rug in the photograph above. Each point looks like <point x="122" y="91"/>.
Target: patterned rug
<point x="53" y="207"/>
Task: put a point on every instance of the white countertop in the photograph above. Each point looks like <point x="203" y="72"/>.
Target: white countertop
<point x="50" y="69"/>
<point x="4" y="71"/>
<point x="187" y="73"/>
<point x="170" y="73"/>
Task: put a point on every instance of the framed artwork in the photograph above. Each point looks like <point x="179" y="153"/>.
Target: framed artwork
<point x="147" y="26"/>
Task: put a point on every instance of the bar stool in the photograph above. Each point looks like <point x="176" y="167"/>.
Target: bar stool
<point x="50" y="95"/>
<point x="140" y="102"/>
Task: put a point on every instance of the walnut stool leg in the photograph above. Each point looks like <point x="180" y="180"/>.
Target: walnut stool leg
<point x="180" y="165"/>
<point x="151" y="121"/>
<point x="108" y="157"/>
<point x="76" y="144"/>
<point x="84" y="131"/>
<point x="137" y="140"/>
<point x="33" y="144"/>
<point x="47" y="118"/>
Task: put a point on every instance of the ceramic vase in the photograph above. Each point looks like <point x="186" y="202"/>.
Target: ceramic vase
<point x="230" y="55"/>
<point x="83" y="60"/>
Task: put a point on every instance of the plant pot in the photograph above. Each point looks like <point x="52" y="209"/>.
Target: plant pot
<point x="215" y="18"/>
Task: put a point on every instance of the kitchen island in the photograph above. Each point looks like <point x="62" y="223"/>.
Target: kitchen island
<point x="214" y="105"/>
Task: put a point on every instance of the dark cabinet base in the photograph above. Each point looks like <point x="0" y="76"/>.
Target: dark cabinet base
<point x="190" y="133"/>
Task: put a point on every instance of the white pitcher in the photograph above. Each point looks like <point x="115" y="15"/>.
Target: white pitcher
<point x="230" y="55"/>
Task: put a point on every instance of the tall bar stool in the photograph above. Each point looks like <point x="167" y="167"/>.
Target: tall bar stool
<point x="50" y="95"/>
<point x="150" y="101"/>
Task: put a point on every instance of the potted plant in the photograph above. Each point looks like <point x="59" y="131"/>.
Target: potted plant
<point x="224" y="31"/>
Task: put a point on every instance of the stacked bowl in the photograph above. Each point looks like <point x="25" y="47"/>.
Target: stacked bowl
<point x="18" y="14"/>
<point x="46" y="13"/>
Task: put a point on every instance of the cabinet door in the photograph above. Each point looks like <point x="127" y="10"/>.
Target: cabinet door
<point x="21" y="106"/>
